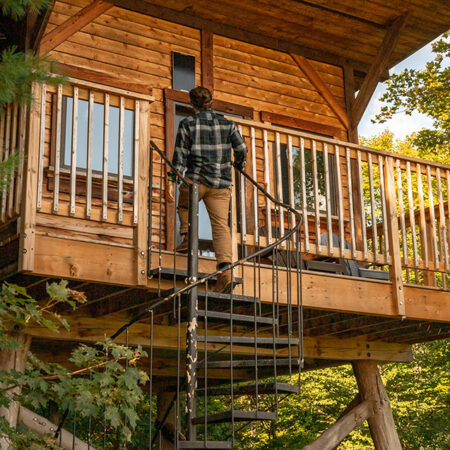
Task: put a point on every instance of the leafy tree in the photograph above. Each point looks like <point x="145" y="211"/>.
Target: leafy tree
<point x="426" y="91"/>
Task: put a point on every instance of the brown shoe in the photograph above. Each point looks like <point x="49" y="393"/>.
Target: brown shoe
<point x="224" y="284"/>
<point x="183" y="247"/>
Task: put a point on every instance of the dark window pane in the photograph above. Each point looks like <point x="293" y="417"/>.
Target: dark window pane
<point x="183" y="71"/>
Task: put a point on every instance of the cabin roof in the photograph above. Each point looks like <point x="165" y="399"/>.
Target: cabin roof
<point x="350" y="30"/>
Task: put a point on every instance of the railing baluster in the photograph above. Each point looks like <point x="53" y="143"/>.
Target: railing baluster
<point x="120" y="169"/>
<point x="383" y="209"/>
<point x="423" y="224"/>
<point x="411" y="213"/>
<point x="372" y="209"/>
<point x="105" y="159"/>
<point x="363" y="210"/>
<point x="432" y="219"/>
<point x="304" y="203"/>
<point x="402" y="213"/>
<point x="448" y="210"/>
<point x="340" y="202"/>
<point x="73" y="162"/>
<point x="316" y="196"/>
<point x="291" y="180"/>
<point x="57" y="149"/>
<point x="136" y="161"/>
<point x="255" y="190"/>
<point x="280" y="184"/>
<point x="243" y="204"/>
<point x="267" y="183"/>
<point x="10" y="208"/>
<point x="328" y="199"/>
<point x="22" y="136"/>
<point x="7" y="147"/>
<point x="89" y="155"/>
<point x="41" y="147"/>
<point x="442" y="233"/>
<point x="350" y="203"/>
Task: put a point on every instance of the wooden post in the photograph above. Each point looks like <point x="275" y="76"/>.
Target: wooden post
<point x="13" y="360"/>
<point x="381" y="422"/>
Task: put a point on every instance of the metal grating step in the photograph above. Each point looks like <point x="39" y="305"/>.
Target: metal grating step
<point x="236" y="415"/>
<point x="250" y="389"/>
<point x="168" y="273"/>
<point x="244" y="363"/>
<point x="249" y="340"/>
<point x="227" y="297"/>
<point x="221" y="316"/>
<point x="204" y="444"/>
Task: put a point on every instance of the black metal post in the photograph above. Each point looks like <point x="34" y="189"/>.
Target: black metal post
<point x="192" y="325"/>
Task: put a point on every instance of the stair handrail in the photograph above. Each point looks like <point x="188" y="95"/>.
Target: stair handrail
<point x="160" y="300"/>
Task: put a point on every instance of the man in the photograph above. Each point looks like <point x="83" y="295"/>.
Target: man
<point x="203" y="147"/>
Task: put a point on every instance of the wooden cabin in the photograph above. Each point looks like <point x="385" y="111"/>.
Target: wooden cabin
<point x="88" y="202"/>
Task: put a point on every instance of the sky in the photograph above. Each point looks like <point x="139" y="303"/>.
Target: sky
<point x="400" y="124"/>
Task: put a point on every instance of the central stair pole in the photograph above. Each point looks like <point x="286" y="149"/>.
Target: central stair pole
<point x="192" y="325"/>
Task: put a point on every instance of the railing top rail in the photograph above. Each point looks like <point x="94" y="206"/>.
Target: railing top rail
<point x="332" y="141"/>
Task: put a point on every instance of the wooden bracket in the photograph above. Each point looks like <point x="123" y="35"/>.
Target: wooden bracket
<point x="378" y="67"/>
<point x="315" y="79"/>
<point x="62" y="32"/>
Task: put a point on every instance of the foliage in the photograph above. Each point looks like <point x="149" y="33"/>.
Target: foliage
<point x="16" y="9"/>
<point x="105" y="383"/>
<point x="426" y="91"/>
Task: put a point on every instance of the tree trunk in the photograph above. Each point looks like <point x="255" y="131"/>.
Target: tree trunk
<point x="9" y="360"/>
<point x="381" y="423"/>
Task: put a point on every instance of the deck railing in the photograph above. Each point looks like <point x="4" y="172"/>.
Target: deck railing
<point x="360" y="204"/>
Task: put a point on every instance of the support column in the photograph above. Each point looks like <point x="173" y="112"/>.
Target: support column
<point x="13" y="360"/>
<point x="381" y="422"/>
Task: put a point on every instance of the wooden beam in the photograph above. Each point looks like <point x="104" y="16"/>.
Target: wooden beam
<point x="342" y="428"/>
<point x="349" y="91"/>
<point x="232" y="32"/>
<point x="396" y="274"/>
<point x="317" y="82"/>
<point x="207" y="49"/>
<point x="72" y="25"/>
<point x="380" y="63"/>
<point x="301" y="124"/>
<point x="87" y="329"/>
<point x="381" y="422"/>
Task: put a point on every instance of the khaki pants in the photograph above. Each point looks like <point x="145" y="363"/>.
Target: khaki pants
<point x="217" y="202"/>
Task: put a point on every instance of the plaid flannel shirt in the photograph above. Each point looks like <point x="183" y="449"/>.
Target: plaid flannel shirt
<point x="203" y="146"/>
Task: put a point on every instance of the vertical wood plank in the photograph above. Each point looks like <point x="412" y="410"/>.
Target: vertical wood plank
<point x="340" y="202"/>
<point x="350" y="202"/>
<point x="361" y="206"/>
<point x="6" y="155"/>
<point x="120" y="170"/>
<point x="243" y="204"/>
<point x="401" y="209"/>
<point x="267" y="186"/>
<point x="105" y="159"/>
<point x="12" y="178"/>
<point x="2" y="144"/>
<point x="89" y="155"/>
<point x="432" y="220"/>
<point x="383" y="208"/>
<point x="207" y="48"/>
<point x="394" y="244"/>
<point x="169" y="111"/>
<point x="372" y="208"/>
<point x="316" y="196"/>
<point x="57" y="148"/>
<point x="291" y="180"/>
<point x="41" y="147"/>
<point x="328" y="200"/>
<point x="412" y="219"/>
<point x="255" y="189"/>
<point x="442" y="233"/>
<point x="22" y="136"/>
<point x="143" y="155"/>
<point x="280" y="182"/>
<point x="28" y="223"/>
<point x="422" y="219"/>
<point x="73" y="161"/>
<point x="448" y="210"/>
<point x="304" y="202"/>
<point x="136" y="160"/>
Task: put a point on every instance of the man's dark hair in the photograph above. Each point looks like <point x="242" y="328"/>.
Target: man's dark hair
<point x="201" y="98"/>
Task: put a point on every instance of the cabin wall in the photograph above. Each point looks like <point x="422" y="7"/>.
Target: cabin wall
<point x="136" y="50"/>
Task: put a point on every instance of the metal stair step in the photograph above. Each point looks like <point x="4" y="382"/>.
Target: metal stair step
<point x="227" y="297"/>
<point x="249" y="340"/>
<point x="204" y="444"/>
<point x="217" y="315"/>
<point x="168" y="273"/>
<point x="250" y="389"/>
<point x="250" y="363"/>
<point x="237" y="415"/>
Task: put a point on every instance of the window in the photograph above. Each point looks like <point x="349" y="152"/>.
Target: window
<point x="309" y="180"/>
<point x="183" y="71"/>
<point x="97" y="137"/>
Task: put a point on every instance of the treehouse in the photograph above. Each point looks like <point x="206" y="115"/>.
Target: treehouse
<point x="342" y="251"/>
